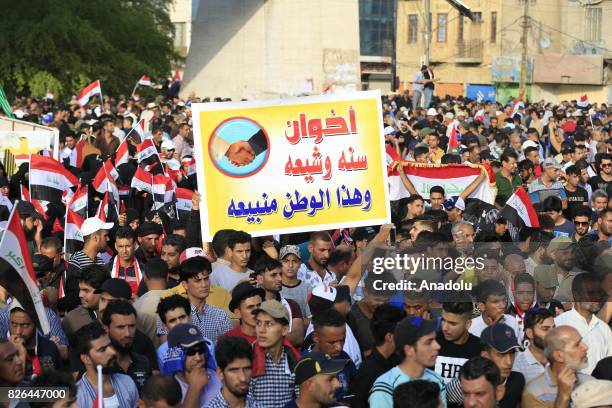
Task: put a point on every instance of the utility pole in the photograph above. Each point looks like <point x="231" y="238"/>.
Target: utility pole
<point x="526" y="25"/>
<point x="427" y="36"/>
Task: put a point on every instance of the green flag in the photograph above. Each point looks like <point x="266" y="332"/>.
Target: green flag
<point x="6" y="106"/>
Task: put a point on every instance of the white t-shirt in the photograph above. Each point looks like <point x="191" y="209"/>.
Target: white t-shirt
<point x="111" y="402"/>
<point x="226" y="277"/>
<point x="478" y="325"/>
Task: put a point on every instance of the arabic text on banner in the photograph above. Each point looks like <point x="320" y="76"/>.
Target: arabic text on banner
<point x="295" y="165"/>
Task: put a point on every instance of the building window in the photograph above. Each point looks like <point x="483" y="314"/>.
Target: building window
<point x="593" y="24"/>
<point x="442" y="20"/>
<point x="376" y="27"/>
<point x="493" y="27"/>
<point x="180" y="34"/>
<point x="413" y="28"/>
<point x="477" y="15"/>
<point x="460" y="29"/>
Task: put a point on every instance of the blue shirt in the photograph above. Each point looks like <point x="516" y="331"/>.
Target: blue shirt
<point x="381" y="394"/>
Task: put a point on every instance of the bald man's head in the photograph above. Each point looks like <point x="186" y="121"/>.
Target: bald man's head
<point x="564" y="346"/>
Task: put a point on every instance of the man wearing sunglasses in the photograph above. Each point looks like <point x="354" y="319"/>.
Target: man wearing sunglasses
<point x="582" y="222"/>
<point x="192" y="364"/>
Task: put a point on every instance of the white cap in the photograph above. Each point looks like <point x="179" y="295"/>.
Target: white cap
<point x="174" y="164"/>
<point x="528" y="143"/>
<point x="449" y="115"/>
<point x="93" y="225"/>
<point x="591" y="394"/>
<point x="431" y="112"/>
<point x="389" y="130"/>
<point x="325" y="292"/>
<point x="168" y="145"/>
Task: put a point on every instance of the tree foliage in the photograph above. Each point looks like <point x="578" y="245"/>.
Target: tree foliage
<point x="65" y="44"/>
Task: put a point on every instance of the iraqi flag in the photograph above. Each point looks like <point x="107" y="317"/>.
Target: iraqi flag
<point x="453" y="178"/>
<point x="142" y="180"/>
<point x="106" y="180"/>
<point x="88" y="92"/>
<point x="583" y="102"/>
<point x="76" y="155"/>
<point x="49" y="179"/>
<point x="73" y="238"/>
<point x="139" y="129"/>
<point x="144" y="81"/>
<point x="79" y="201"/>
<point x="518" y="104"/>
<point x="17" y="273"/>
<point x="183" y="202"/>
<point x="122" y="155"/>
<point x="107" y="209"/>
<point x="519" y="210"/>
<point x="188" y="166"/>
<point x="163" y="191"/>
<point x="40" y="206"/>
<point x="148" y="157"/>
<point x="453" y="139"/>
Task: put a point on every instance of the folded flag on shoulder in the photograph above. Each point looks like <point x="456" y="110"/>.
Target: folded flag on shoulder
<point x="17" y="273"/>
<point x="49" y="179"/>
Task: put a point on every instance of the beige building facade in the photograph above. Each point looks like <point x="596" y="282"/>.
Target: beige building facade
<point x="569" y="46"/>
<point x="259" y="49"/>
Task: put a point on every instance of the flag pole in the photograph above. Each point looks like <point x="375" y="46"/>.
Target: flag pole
<point x="100" y="387"/>
<point x="135" y="87"/>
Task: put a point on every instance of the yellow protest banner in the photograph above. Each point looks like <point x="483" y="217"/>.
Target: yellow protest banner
<point x="294" y="165"/>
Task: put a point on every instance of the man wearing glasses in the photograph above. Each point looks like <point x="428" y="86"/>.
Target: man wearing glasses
<point x="582" y="222"/>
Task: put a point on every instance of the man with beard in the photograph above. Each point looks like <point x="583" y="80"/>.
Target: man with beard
<point x="148" y="235"/>
<point x="415" y="340"/>
<point x="532" y="361"/>
<point x="563" y="253"/>
<point x="32" y="223"/>
<point x="589" y="298"/>
<point x="604" y="225"/>
<point x="52" y="247"/>
<point x="481" y="383"/>
<point x="119" y="320"/>
<point x="582" y="222"/>
<point x="316" y="375"/>
<point x="234" y="356"/>
<point x="314" y="271"/>
<point x="94" y="348"/>
<point x="92" y="278"/>
<point x="546" y="285"/>
<point x="567" y="354"/>
<point x="507" y="180"/>
<point x="268" y="273"/>
<point x="95" y="236"/>
<point x="172" y="248"/>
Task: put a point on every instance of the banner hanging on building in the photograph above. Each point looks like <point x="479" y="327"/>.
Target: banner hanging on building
<point x="294" y="165"/>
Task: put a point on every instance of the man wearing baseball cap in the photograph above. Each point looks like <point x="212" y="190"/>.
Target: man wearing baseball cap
<point x="190" y="361"/>
<point x="500" y="346"/>
<point x="292" y="287"/>
<point x="315" y="374"/>
<point x="546" y="285"/>
<point x="563" y="253"/>
<point x="547" y="185"/>
<point x="95" y="237"/>
<point x="415" y="341"/>
<point x="272" y="381"/>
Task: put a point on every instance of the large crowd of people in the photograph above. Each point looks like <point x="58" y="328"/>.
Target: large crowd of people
<point x="299" y="320"/>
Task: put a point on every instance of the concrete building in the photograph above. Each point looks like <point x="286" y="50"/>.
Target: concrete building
<point x="273" y="48"/>
<point x="181" y="13"/>
<point x="569" y="47"/>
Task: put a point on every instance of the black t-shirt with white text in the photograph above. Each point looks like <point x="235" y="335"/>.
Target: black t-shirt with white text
<point x="451" y="356"/>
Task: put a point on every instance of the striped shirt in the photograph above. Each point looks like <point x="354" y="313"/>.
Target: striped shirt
<point x="277" y="386"/>
<point x="220" y="402"/>
<point x="80" y="260"/>
<point x="381" y="394"/>
<point x="212" y="322"/>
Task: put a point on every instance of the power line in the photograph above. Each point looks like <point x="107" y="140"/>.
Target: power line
<point x="572" y="36"/>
